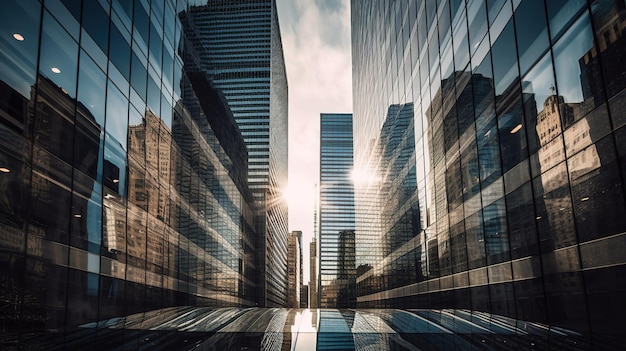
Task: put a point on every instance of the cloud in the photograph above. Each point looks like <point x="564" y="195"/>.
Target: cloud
<point x="316" y="46"/>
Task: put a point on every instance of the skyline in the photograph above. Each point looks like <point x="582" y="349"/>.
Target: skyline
<point x="462" y="164"/>
<point x="316" y="85"/>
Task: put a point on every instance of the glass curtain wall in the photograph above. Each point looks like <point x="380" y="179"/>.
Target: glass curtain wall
<point x="519" y="141"/>
<point x="122" y="188"/>
<point x="240" y="48"/>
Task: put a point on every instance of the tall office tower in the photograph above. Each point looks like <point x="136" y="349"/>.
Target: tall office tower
<point x="313" y="295"/>
<point x="304" y="296"/>
<point x="123" y="176"/>
<point x="336" y="279"/>
<point x="519" y="155"/>
<point x="241" y="51"/>
<point x="294" y="268"/>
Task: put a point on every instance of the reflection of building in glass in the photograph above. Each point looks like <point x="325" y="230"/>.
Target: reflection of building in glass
<point x="399" y="212"/>
<point x="336" y="210"/>
<point x="294" y="268"/>
<point x="518" y="120"/>
<point x="120" y="192"/>
<point x="346" y="270"/>
<point x="335" y="330"/>
<point x="238" y="45"/>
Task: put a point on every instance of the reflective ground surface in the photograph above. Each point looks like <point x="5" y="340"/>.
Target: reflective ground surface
<point x="193" y="328"/>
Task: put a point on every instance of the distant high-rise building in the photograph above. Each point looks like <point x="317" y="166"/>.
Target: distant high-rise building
<point x="294" y="268"/>
<point x="489" y="153"/>
<point x="313" y="295"/>
<point x="304" y="296"/>
<point x="240" y="48"/>
<point x="336" y="212"/>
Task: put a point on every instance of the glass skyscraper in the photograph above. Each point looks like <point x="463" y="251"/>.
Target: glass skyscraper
<point x="239" y="47"/>
<point x="337" y="270"/>
<point x="510" y="199"/>
<point x="123" y="173"/>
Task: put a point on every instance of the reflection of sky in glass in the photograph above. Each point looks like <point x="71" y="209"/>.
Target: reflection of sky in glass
<point x="539" y="81"/>
<point x="570" y="48"/>
<point x="117" y="115"/>
<point x="91" y="85"/>
<point x="18" y="59"/>
<point x="58" y="50"/>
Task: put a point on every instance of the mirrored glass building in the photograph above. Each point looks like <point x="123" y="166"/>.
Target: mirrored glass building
<point x="510" y="199"/>
<point x="337" y="271"/>
<point x="123" y="172"/>
<point x="239" y="47"/>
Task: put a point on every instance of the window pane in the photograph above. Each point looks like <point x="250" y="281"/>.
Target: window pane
<point x="496" y="235"/>
<point x="18" y="48"/>
<point x="608" y="20"/>
<point x="475" y="241"/>
<point x="488" y="147"/>
<point x="555" y="220"/>
<point x="120" y="52"/>
<point x="477" y="19"/>
<point x="541" y="106"/>
<point x="532" y="32"/>
<point x="521" y="218"/>
<point x="482" y="81"/>
<point x="59" y="54"/>
<point x="114" y="168"/>
<point x="96" y="23"/>
<point x="91" y="89"/>
<point x="141" y="22"/>
<point x="139" y="76"/>
<point x="117" y="115"/>
<point x="471" y="172"/>
<point x="504" y="59"/>
<point x="561" y="13"/>
<point x="576" y="67"/>
<point x="512" y="134"/>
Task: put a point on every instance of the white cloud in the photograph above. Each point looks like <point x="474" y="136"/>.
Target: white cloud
<point x="316" y="46"/>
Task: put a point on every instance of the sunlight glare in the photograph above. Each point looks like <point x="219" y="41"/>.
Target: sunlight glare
<point x="363" y="177"/>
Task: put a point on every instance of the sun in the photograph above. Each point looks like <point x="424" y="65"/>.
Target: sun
<point x="299" y="195"/>
<point x="289" y="195"/>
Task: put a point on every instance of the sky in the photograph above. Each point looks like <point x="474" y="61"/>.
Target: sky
<point x="316" y="46"/>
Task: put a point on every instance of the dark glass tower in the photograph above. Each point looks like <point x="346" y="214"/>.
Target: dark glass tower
<point x="515" y="205"/>
<point x="240" y="49"/>
<point x="123" y="174"/>
<point x="336" y="213"/>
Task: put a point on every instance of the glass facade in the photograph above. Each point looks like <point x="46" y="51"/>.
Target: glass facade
<point x="123" y="174"/>
<point x="337" y="271"/>
<point x="240" y="49"/>
<point x="511" y="199"/>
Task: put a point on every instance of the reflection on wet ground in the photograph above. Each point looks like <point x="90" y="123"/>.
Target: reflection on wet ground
<point x="198" y="328"/>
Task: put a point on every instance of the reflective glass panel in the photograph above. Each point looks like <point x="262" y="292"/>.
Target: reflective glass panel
<point x="504" y="59"/>
<point x="532" y="32"/>
<point x="609" y="24"/>
<point x="96" y="23"/>
<point x="561" y="13"/>
<point x="59" y="55"/>
<point x="91" y="89"/>
<point x="19" y="25"/>
<point x="575" y="64"/>
<point x="117" y="115"/>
